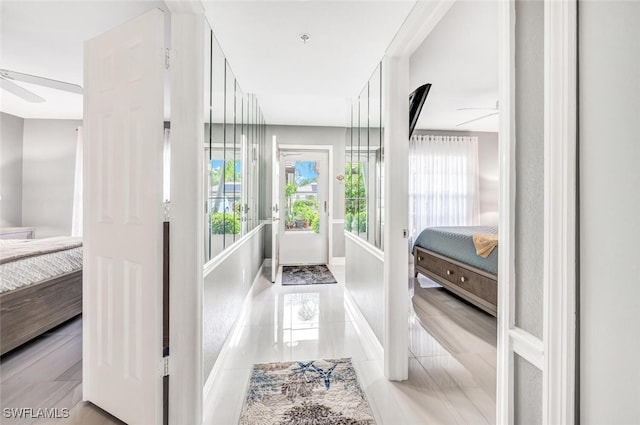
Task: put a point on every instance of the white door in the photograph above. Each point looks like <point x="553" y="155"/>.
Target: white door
<point x="122" y="276"/>
<point x="304" y="205"/>
<point x="275" y="210"/>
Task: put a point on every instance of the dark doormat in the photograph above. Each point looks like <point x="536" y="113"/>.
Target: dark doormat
<point x="307" y="275"/>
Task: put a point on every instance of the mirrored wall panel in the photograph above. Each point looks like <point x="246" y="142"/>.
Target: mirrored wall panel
<point x="234" y="140"/>
<point x="364" y="160"/>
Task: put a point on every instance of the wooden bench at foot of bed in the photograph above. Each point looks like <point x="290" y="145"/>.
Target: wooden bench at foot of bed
<point x="32" y="310"/>
<point x="476" y="286"/>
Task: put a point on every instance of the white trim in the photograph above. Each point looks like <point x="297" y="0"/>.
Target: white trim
<point x="395" y="332"/>
<point x="188" y="27"/>
<point x="362" y="326"/>
<point x="337" y="221"/>
<point x="338" y="261"/>
<point x="329" y="149"/>
<point x="422" y="19"/>
<point x="186" y="7"/>
<point x="234" y="334"/>
<point x="220" y="258"/>
<point x="559" y="299"/>
<point x="506" y="255"/>
<point x="365" y="245"/>
<point x="527" y="346"/>
<point x="555" y="354"/>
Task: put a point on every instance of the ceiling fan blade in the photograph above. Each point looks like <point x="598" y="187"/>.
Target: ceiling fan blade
<point x="20" y="92"/>
<point x="41" y="81"/>
<point x="479" y="118"/>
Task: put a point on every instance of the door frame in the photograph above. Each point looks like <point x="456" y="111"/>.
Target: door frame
<point x="187" y="224"/>
<point x="329" y="150"/>
<point x="554" y="354"/>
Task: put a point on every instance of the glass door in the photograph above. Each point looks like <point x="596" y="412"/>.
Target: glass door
<point x="304" y="200"/>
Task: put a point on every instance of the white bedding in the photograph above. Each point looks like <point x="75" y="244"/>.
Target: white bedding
<point x="29" y="270"/>
<point x="17" y="249"/>
<point x="30" y="261"/>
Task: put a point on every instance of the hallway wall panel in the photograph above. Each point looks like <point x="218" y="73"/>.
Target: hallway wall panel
<point x="225" y="289"/>
<point x="609" y="107"/>
<point x="364" y="277"/>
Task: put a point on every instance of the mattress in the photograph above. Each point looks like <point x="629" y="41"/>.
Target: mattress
<point x="26" y="265"/>
<point x="457" y="244"/>
<point x="16" y="249"/>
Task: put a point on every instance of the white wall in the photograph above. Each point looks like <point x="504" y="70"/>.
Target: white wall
<point x="303" y="135"/>
<point x="225" y="289"/>
<point x="49" y="154"/>
<point x="364" y="278"/>
<point x="609" y="190"/>
<point x="11" y="128"/>
<point x="488" y="169"/>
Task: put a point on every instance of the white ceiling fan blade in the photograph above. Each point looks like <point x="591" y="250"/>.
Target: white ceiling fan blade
<point x="41" y="81"/>
<point x="20" y="92"/>
<point x="476" y="119"/>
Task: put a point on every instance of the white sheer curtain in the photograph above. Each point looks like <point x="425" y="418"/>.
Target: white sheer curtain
<point x="443" y="182"/>
<point x="76" y="220"/>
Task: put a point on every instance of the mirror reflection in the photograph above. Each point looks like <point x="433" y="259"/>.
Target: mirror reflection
<point x="364" y="160"/>
<point x="234" y="140"/>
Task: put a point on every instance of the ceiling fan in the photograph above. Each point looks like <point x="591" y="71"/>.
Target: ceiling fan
<point x="7" y="84"/>
<point x="494" y="111"/>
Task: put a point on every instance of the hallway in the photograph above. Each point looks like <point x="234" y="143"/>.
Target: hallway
<point x="319" y="321"/>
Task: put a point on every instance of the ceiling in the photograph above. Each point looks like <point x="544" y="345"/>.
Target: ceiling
<point x="296" y="83"/>
<point x="46" y="38"/>
<point x="460" y="59"/>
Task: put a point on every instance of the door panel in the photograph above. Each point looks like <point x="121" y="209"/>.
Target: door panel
<point x="275" y="210"/>
<point x="123" y="182"/>
<point x="303" y="215"/>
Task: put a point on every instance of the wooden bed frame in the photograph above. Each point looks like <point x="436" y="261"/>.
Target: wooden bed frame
<point x="474" y="285"/>
<point x="34" y="309"/>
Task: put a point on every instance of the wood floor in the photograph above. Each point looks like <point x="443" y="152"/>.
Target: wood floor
<point x="455" y="343"/>
<point x="47" y="373"/>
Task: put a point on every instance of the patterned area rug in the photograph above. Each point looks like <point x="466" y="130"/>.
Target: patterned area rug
<point x="306" y="275"/>
<point x="320" y="392"/>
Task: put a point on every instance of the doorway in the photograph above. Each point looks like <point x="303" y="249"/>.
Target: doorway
<point x="303" y="225"/>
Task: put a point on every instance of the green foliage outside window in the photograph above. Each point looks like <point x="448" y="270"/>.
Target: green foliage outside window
<point x="355" y="217"/>
<point x="305" y="210"/>
<point x="225" y="223"/>
<point x="356" y="222"/>
<point x="302" y="212"/>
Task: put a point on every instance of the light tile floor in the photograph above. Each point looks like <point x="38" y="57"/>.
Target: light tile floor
<point x="452" y="359"/>
<point x="451" y="366"/>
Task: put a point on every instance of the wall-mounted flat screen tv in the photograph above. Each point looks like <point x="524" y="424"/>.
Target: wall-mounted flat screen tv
<point x="416" y="101"/>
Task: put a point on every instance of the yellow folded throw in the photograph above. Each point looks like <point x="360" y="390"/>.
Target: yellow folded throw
<point x="484" y="243"/>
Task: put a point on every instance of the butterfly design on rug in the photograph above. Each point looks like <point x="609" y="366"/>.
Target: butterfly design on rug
<point x="303" y="368"/>
<point x="326" y="376"/>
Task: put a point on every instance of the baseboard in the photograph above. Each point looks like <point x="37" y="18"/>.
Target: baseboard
<point x="337" y="261"/>
<point x="233" y="334"/>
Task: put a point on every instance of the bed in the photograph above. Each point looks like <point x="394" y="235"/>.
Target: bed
<point x="40" y="287"/>
<point x="448" y="256"/>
